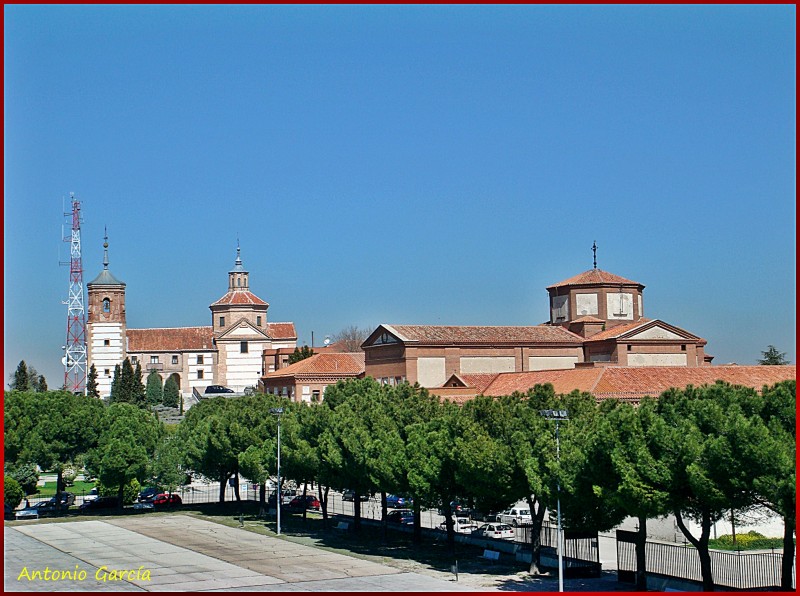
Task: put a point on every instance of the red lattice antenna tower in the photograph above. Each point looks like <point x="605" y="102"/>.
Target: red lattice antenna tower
<point x="75" y="351"/>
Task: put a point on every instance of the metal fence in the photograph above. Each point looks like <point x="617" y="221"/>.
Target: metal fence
<point x="581" y="549"/>
<point x="734" y="570"/>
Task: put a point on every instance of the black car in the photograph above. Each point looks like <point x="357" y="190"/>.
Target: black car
<point x="400" y="516"/>
<point x="350" y="495"/>
<point x="67" y="499"/>
<point x="101" y="503"/>
<point x="148" y="494"/>
<point x="218" y="389"/>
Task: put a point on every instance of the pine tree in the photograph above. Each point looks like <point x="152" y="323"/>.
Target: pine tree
<point x="300" y="354"/>
<point x="21" y="381"/>
<point x="171" y="393"/>
<point x="154" y="392"/>
<point x="116" y="385"/>
<point x="138" y="395"/>
<point x="91" y="383"/>
<point x="41" y="385"/>
<point x="772" y="357"/>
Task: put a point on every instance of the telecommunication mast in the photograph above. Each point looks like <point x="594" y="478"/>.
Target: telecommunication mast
<point x="75" y="350"/>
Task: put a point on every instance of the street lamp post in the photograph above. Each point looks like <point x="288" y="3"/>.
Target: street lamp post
<point x="277" y="412"/>
<point x="558" y="415"/>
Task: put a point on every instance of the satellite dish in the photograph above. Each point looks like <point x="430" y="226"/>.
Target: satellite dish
<point x="64" y="361"/>
<point x="327" y="340"/>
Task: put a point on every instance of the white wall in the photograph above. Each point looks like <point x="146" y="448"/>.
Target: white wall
<point x="619" y="303"/>
<point x="243" y="370"/>
<point x="586" y="304"/>
<point x="657" y="359"/>
<point x="487" y="364"/>
<point x="105" y="357"/>
<point x="551" y="362"/>
<point x="430" y="372"/>
<point x="656" y="333"/>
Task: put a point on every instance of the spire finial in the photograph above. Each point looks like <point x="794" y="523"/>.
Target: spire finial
<point x="105" y="247"/>
<point x="594" y="250"/>
<point x="238" y="252"/>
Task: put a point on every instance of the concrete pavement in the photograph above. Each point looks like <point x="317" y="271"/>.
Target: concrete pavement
<point x="181" y="553"/>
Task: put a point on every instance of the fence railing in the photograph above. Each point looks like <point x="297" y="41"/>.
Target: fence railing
<point x="736" y="570"/>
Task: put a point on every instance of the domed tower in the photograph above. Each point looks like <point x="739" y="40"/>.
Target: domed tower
<point x="105" y="327"/>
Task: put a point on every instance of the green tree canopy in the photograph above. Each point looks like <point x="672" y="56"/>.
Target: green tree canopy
<point x="91" y="382"/>
<point x="300" y="354"/>
<point x="772" y="356"/>
<point x="12" y="492"/>
<point x="20" y="381"/>
<point x="154" y="391"/>
<point x="172" y="393"/>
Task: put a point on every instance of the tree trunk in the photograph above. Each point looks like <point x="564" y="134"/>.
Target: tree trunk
<point x="262" y="498"/>
<point x="223" y="480"/>
<point x="384" y="512"/>
<point x="733" y="529"/>
<point x="356" y="511"/>
<point x="323" y="499"/>
<point x="641" y="560"/>
<point x="236" y="486"/>
<point x="701" y="544"/>
<point x="121" y="495"/>
<point x="417" y="538"/>
<point x="448" y="522"/>
<point x="536" y="534"/>
<point x="305" y="508"/>
<point x="60" y="487"/>
<point x="787" y="562"/>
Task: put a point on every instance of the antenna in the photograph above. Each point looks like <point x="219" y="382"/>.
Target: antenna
<point x="594" y="251"/>
<point x="74" y="360"/>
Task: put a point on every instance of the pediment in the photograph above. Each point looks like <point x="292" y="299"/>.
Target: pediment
<point x="659" y="330"/>
<point x="383" y="335"/>
<point x="243" y="330"/>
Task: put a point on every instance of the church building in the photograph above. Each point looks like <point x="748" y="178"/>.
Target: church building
<point x="228" y="352"/>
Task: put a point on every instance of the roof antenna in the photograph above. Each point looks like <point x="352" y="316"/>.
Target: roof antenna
<point x="594" y="250"/>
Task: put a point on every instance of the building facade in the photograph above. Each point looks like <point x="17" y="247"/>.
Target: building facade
<point x="229" y="352"/>
<point x="596" y="318"/>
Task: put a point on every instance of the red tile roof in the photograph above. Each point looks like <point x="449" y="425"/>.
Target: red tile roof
<point x="480" y="381"/>
<point x="633" y="382"/>
<point x="594" y="276"/>
<point x="281" y="330"/>
<point x="173" y="339"/>
<point x="587" y="319"/>
<point x="327" y="364"/>
<point x="618" y="330"/>
<point x="240" y="297"/>
<point x="442" y="334"/>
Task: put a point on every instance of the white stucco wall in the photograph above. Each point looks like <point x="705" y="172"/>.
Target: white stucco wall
<point x="656" y="333"/>
<point x="487" y="364"/>
<point x="619" y="306"/>
<point x="657" y="360"/>
<point x="430" y="372"/>
<point x="243" y="370"/>
<point x="551" y="362"/>
<point x="105" y="357"/>
<point x="586" y="304"/>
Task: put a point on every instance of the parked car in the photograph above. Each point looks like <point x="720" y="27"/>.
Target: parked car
<point x="461" y="525"/>
<point x="486" y="516"/>
<point x="395" y="501"/>
<point x="98" y="503"/>
<point x="515" y="516"/>
<point x="144" y="506"/>
<point x="218" y="389"/>
<point x="66" y="500"/>
<point x="310" y="502"/>
<point x="32" y="512"/>
<point x="148" y="494"/>
<point x="495" y="531"/>
<point x="92" y="495"/>
<point x="400" y="516"/>
<point x="286" y="498"/>
<point x="350" y="495"/>
<point x="165" y="499"/>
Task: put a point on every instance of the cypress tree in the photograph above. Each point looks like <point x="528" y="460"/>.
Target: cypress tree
<point x="91" y="383"/>
<point x="171" y="393"/>
<point x="116" y="384"/>
<point x="154" y="392"/>
<point x="21" y="380"/>
<point x="138" y="396"/>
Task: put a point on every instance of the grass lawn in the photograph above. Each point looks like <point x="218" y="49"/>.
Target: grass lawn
<point x="81" y="487"/>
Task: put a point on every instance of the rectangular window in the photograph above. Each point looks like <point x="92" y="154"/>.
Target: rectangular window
<point x="315" y="395"/>
<point x="629" y="347"/>
<point x="134" y="359"/>
<point x="683" y="347"/>
<point x="108" y="372"/>
<point x="106" y="342"/>
<point x="199" y="373"/>
<point x="243" y="347"/>
<point x="174" y="359"/>
<point x="199" y="359"/>
<point x="222" y="321"/>
<point x="258" y="321"/>
<point x="153" y="359"/>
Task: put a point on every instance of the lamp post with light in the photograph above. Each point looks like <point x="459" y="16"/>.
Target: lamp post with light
<point x="558" y="415"/>
<point x="277" y="412"/>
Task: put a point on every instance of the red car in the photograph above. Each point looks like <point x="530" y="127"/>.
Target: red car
<point x="311" y="502"/>
<point x="167" y="499"/>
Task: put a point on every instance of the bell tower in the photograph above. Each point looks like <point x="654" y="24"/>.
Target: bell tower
<point x="106" y="324"/>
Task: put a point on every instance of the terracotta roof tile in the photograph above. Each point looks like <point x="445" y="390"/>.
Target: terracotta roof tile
<point x="618" y="330"/>
<point x="443" y="334"/>
<point x="240" y="297"/>
<point x="594" y="276"/>
<point x="480" y="381"/>
<point x="632" y="382"/>
<point x="281" y="330"/>
<point x="327" y="364"/>
<point x="172" y="339"/>
<point x="587" y="319"/>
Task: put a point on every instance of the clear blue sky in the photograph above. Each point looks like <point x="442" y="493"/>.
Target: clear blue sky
<point x="403" y="164"/>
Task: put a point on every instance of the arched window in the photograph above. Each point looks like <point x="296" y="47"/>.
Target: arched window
<point x="239" y="281"/>
<point x="106" y="305"/>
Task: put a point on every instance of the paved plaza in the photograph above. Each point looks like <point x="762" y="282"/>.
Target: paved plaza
<point x="182" y="553"/>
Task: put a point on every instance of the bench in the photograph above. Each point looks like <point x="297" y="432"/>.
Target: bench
<point x="342" y="526"/>
<point x="490" y="555"/>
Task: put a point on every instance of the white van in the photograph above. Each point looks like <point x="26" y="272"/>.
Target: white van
<point x="515" y="516"/>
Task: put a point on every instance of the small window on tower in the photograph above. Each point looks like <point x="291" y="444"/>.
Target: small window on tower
<point x="199" y="373"/>
<point x="239" y="281"/>
<point x="243" y="347"/>
<point x="107" y="372"/>
<point x="199" y="359"/>
<point x="106" y="305"/>
<point x="222" y="321"/>
<point x="258" y="321"/>
<point x="106" y="342"/>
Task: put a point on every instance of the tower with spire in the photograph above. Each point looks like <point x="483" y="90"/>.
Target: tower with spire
<point x="106" y="326"/>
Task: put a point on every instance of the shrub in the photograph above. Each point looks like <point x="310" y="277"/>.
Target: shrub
<point x="12" y="492"/>
<point x="27" y="475"/>
<point x="751" y="540"/>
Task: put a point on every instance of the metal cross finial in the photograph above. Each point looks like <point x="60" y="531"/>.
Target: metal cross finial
<point x="594" y="250"/>
<point x="105" y="247"/>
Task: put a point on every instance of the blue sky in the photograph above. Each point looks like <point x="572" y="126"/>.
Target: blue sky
<point x="403" y="164"/>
